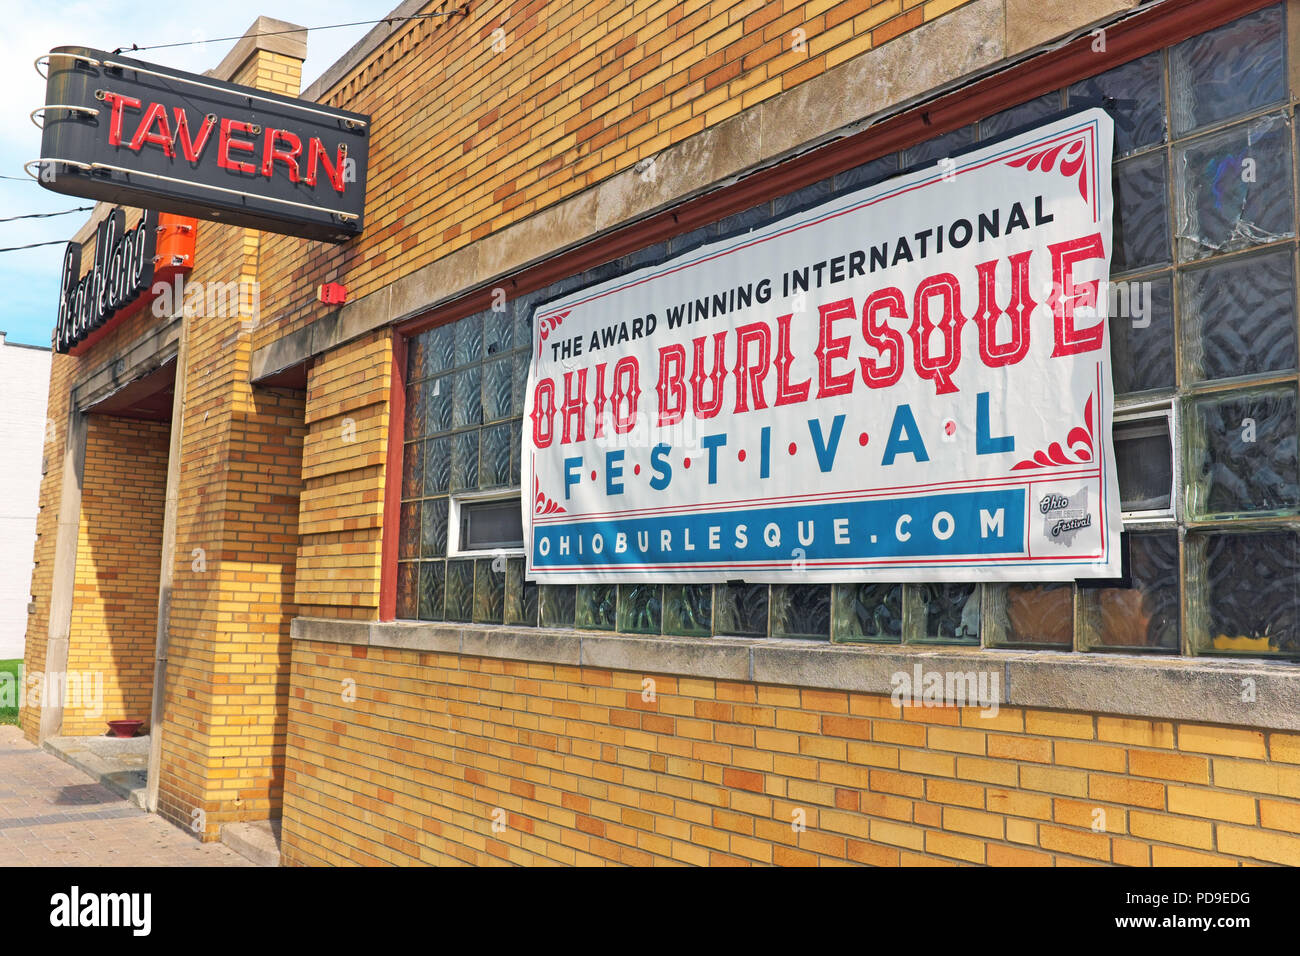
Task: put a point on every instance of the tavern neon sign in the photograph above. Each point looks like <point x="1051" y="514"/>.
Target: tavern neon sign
<point x="277" y="145"/>
<point x="124" y="131"/>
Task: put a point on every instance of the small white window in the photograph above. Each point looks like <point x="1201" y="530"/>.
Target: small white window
<point x="1148" y="468"/>
<point x="485" y="524"/>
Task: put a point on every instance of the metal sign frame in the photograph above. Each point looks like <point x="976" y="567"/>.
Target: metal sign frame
<point x="125" y="131"/>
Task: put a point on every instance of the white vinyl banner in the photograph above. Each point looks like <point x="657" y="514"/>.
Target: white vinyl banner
<point x="910" y="382"/>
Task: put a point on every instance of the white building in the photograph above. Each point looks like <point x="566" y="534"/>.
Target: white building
<point x="24" y="385"/>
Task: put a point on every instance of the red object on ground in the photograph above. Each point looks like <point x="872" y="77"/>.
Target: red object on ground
<point x="124" y="728"/>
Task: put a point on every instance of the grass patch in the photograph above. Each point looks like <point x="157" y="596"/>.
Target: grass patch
<point x="9" y="715"/>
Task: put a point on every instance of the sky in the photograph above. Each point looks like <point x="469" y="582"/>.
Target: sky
<point x="29" y="279"/>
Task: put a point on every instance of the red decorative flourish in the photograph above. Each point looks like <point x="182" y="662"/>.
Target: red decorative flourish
<point x="543" y="505"/>
<point x="1079" y="441"/>
<point x="1074" y="162"/>
<point x="548" y="325"/>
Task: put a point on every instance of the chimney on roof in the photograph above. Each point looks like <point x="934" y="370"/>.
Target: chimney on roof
<point x="268" y="56"/>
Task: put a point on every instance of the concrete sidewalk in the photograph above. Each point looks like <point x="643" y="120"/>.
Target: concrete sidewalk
<point x="52" y="814"/>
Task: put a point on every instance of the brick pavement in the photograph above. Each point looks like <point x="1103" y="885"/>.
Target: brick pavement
<point x="51" y="814"/>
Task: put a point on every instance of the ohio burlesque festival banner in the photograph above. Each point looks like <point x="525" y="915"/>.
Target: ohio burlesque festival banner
<point x="909" y="382"/>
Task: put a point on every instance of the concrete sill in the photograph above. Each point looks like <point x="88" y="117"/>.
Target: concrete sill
<point x="1166" y="688"/>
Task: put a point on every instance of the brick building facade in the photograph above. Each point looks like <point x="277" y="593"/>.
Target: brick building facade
<point x="317" y="651"/>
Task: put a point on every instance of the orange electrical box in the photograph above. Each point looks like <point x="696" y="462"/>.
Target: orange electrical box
<point x="175" y="248"/>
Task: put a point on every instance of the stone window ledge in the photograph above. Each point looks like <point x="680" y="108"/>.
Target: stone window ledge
<point x="1198" y="690"/>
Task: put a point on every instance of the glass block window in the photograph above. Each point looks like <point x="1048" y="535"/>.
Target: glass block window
<point x="464" y="401"/>
<point x="1203" y="319"/>
<point x="1249" y="601"/>
<point x="1031" y="615"/>
<point x="1145" y="615"/>
<point x="1203" y="325"/>
<point x="946" y="613"/>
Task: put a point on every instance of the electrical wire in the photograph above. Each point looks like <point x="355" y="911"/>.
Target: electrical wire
<point x="459" y="11"/>
<point x="33" y="245"/>
<point x="46" y="215"/>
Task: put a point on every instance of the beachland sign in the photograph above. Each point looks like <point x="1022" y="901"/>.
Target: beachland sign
<point x="910" y="382"/>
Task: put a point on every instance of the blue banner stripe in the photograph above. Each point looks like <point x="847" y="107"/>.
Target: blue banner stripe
<point x="949" y="525"/>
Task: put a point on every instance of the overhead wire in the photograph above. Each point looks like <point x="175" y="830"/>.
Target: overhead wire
<point x="46" y="215"/>
<point x="33" y="245"/>
<point x="459" y="11"/>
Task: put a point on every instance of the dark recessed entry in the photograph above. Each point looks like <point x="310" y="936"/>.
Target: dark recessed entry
<point x="148" y="397"/>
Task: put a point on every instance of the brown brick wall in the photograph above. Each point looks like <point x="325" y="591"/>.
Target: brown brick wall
<point x="115" y="606"/>
<point x="584" y="771"/>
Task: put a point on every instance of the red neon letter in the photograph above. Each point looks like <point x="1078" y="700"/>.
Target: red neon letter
<point x="192" y="149"/>
<point x="334" y="173"/>
<point x="118" y="101"/>
<point x="163" y="138"/>
<point x="225" y="144"/>
<point x="287" y="156"/>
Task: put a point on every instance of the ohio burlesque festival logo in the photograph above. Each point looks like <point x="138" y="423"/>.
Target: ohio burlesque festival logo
<point x="1064" y="517"/>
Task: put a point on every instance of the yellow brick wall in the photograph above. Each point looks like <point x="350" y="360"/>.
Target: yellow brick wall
<point x="236" y="543"/>
<point x="232" y="604"/>
<point x="467" y="140"/>
<point x="115" y="603"/>
<point x="343" y="470"/>
<point x="65" y="371"/>
<point x="236" y="551"/>
<point x="583" y="770"/>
